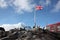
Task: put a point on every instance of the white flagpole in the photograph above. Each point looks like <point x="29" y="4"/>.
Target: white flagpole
<point x="35" y="17"/>
<point x="38" y="8"/>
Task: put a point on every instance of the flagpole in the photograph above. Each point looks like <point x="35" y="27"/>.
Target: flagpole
<point x="37" y="8"/>
<point x="35" y="17"/>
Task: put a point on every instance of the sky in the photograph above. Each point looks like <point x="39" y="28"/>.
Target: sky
<point x="22" y="11"/>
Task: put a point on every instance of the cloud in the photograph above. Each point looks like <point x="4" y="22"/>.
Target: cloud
<point x="23" y="5"/>
<point x="45" y="2"/>
<point x="7" y="27"/>
<point x="48" y="2"/>
<point x="56" y="7"/>
<point x="3" y="4"/>
<point x="18" y="5"/>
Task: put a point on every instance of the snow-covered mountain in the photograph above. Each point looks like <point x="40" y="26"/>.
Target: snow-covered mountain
<point x="7" y="27"/>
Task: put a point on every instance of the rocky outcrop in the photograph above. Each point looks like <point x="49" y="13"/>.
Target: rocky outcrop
<point x="34" y="34"/>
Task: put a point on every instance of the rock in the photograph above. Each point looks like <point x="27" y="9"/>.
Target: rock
<point x="35" y="34"/>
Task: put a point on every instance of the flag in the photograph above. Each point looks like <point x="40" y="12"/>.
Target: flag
<point x="39" y="7"/>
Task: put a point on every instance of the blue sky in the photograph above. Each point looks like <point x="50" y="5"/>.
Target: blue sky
<point x="17" y="11"/>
